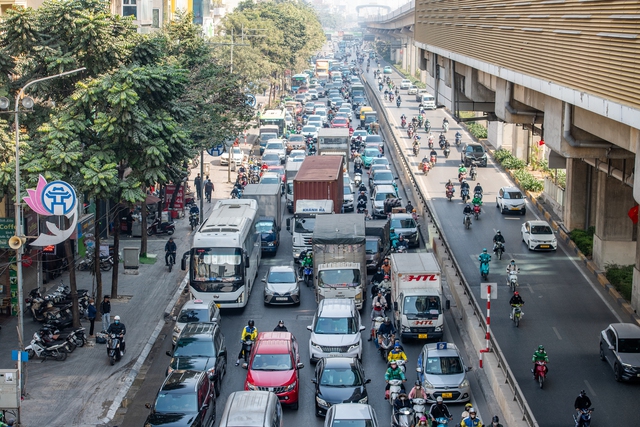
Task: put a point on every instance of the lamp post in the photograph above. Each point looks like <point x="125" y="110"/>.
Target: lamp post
<point x="27" y="103"/>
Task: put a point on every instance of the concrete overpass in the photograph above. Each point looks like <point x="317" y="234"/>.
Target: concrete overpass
<point x="562" y="72"/>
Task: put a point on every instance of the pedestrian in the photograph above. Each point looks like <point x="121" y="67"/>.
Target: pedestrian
<point x="208" y="189"/>
<point x="91" y="315"/>
<point x="198" y="184"/>
<point x="105" y="309"/>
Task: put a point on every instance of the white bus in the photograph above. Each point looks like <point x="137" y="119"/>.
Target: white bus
<point x="225" y="256"/>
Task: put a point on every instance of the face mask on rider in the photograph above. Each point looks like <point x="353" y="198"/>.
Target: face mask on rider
<point x="117" y="322"/>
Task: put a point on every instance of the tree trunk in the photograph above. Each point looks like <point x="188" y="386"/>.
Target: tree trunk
<point x="96" y="254"/>
<point x="143" y="239"/>
<point x="116" y="251"/>
<point x="73" y="287"/>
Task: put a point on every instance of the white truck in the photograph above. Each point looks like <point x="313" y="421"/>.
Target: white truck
<point x="416" y="296"/>
<point x="304" y="221"/>
<point x="339" y="258"/>
<point x="291" y="170"/>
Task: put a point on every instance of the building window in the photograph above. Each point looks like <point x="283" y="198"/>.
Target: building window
<point x="130" y="8"/>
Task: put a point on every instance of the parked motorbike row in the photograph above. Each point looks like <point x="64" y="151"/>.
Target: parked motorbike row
<point x="87" y="264"/>
<point x="47" y="343"/>
<point x="55" y="309"/>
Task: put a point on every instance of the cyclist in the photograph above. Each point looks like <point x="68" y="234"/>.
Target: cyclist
<point x="170" y="249"/>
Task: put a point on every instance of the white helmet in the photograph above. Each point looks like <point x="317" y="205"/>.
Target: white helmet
<point x="116" y="318"/>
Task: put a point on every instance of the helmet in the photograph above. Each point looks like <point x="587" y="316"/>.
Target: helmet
<point x="393" y="362"/>
<point x="461" y="165"/>
<point x="516" y="293"/>
<point x="467" y="406"/>
<point x="439" y="399"/>
<point x="400" y="236"/>
<point x="116" y="318"/>
<point x="386" y="277"/>
<point x="392" y="230"/>
<point x="472" y="411"/>
<point x="495" y="419"/>
<point x="498" y="232"/>
<point x="396" y="345"/>
<point x="484" y="250"/>
<point x="418" y="383"/>
<point x="423" y="418"/>
<point x="387" y="320"/>
<point x="251" y="323"/>
<point x="540" y="348"/>
<point x="468" y="205"/>
<point x="309" y="255"/>
<point x="281" y="322"/>
<point x="513" y="261"/>
<point x="583" y="393"/>
<point x="403" y="394"/>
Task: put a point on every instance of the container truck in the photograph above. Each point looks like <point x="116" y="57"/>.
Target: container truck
<point x="334" y="141"/>
<point x="269" y="214"/>
<point x="290" y="170"/>
<point x="320" y="178"/>
<point x="378" y="244"/>
<point x="416" y="295"/>
<point x="304" y="220"/>
<point x="339" y="258"/>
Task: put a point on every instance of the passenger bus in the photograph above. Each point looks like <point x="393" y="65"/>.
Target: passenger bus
<point x="298" y="81"/>
<point x="275" y="117"/>
<point x="226" y="253"/>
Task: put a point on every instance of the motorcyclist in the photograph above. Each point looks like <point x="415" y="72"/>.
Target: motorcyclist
<point x="423" y="422"/>
<point x="478" y="189"/>
<point x="433" y="153"/>
<point x="249" y="332"/>
<point x="439" y="410"/>
<point x="539" y="356"/>
<point x="495" y="422"/>
<point x="376" y="311"/>
<point x="380" y="299"/>
<point x="409" y="206"/>
<point x="465" y="413"/>
<point x="170" y="248"/>
<point x="512" y="267"/>
<point x="472" y="420"/>
<point x="484" y="257"/>
<point x="362" y="187"/>
<point x="357" y="162"/>
<point x="308" y="260"/>
<point x="386" y="328"/>
<point x="476" y="200"/>
<point x="461" y="170"/>
<point x="401" y="402"/>
<point x="386" y="266"/>
<point x="458" y="135"/>
<point x="194" y="209"/>
<point x="516" y="299"/>
<point x="466" y="211"/>
<point x="396" y="353"/>
<point x="417" y="392"/>
<point x="393" y="237"/>
<point x="377" y="277"/>
<point x="401" y="243"/>
<point x="449" y="187"/>
<point x="582" y="402"/>
<point x="464" y="185"/>
<point x="280" y="327"/>
<point x="394" y="373"/>
<point x="236" y="191"/>
<point x="497" y="238"/>
<point x="362" y="196"/>
<point x="120" y="330"/>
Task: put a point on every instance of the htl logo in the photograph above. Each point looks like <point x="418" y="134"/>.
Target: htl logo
<point x="422" y="278"/>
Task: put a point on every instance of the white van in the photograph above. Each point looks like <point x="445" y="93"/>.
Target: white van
<point x="428" y="101"/>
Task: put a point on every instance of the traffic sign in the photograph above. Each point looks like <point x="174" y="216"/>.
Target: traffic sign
<point x="24" y="356"/>
<point x="216" y="150"/>
<point x="251" y="100"/>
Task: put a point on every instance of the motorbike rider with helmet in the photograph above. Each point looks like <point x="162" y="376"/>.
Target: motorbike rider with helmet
<point x="394" y="373"/>
<point x="377" y="277"/>
<point x="401" y="243"/>
<point x="386" y="328"/>
<point x="539" y="356"/>
<point x="117" y="328"/>
<point x="466" y="211"/>
<point x="516" y="299"/>
<point x="439" y="410"/>
<point x="249" y="333"/>
<point x="417" y="392"/>
<point x="362" y="196"/>
<point x="308" y="260"/>
<point x="472" y="420"/>
<point x="476" y="200"/>
<point x="495" y="422"/>
<point x="280" y="327"/>
<point x="582" y="403"/>
<point x="478" y="189"/>
<point x="396" y="353"/>
<point x="380" y="299"/>
<point x="461" y="170"/>
<point x="401" y="402"/>
<point x="497" y="238"/>
<point x="512" y="268"/>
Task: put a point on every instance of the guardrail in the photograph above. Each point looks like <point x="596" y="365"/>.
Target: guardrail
<point x="407" y="7"/>
<point x="399" y="157"/>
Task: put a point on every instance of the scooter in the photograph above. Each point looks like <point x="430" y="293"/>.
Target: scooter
<point x="194" y="220"/>
<point x="473" y="173"/>
<point x="362" y="206"/>
<point x="40" y="349"/>
<point x="113" y="349"/>
<point x="499" y="250"/>
<point x="419" y="409"/>
<point x="512" y="280"/>
<point x="458" y="138"/>
<point x="447" y="151"/>
<point x="395" y="386"/>
<point x="516" y="314"/>
<point x="467" y="221"/>
<point x="484" y="269"/>
<point x="403" y="123"/>
<point x="247" y="345"/>
<point x="425" y="167"/>
<point x="375" y="325"/>
<point x="402" y="418"/>
<point x="449" y="194"/>
<point x="161" y="228"/>
<point x="416" y="149"/>
<point x="442" y="422"/>
<point x="357" y="179"/>
<point x="307" y="274"/>
<point x="445" y="126"/>
<point x="583" y="417"/>
<point x="464" y="194"/>
<point x="427" y="126"/>
<point x="540" y="372"/>
<point x="476" y="212"/>
<point x="385" y="347"/>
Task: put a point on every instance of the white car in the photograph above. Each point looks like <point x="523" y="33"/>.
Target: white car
<point x="310" y="131"/>
<point x="351" y="414"/>
<point x="510" y="199"/>
<point x="322" y="112"/>
<point x="297" y="155"/>
<point x="405" y="84"/>
<point x="238" y="156"/>
<point x="281" y="286"/>
<point x="346" y="111"/>
<point x="442" y="373"/>
<point x="313" y="93"/>
<point x="539" y="235"/>
<point x="413" y="89"/>
<point x="336" y="330"/>
<point x="279" y="146"/>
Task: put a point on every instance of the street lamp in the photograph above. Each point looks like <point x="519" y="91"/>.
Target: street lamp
<point x="27" y="104"/>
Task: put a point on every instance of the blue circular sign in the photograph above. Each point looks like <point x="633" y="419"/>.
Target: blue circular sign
<point x="58" y="198"/>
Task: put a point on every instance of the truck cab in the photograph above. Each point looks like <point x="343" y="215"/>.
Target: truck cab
<point x="302" y="224"/>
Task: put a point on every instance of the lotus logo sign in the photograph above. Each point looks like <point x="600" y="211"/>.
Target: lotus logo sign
<point x="54" y="198"/>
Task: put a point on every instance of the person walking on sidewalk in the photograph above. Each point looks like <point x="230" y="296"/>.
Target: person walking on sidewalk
<point x="198" y="184"/>
<point x="105" y="309"/>
<point x="91" y="315"/>
<point x="208" y="189"/>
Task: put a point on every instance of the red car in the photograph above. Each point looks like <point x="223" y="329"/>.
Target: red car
<point x="274" y="365"/>
<point x="340" y="122"/>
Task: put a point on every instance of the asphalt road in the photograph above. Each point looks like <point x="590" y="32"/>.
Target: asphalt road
<point x="565" y="309"/>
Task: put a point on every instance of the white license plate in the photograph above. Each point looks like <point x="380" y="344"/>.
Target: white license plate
<point x="282" y="299"/>
<point x="334" y="355"/>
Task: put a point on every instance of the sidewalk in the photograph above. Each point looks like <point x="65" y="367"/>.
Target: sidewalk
<point x="85" y="390"/>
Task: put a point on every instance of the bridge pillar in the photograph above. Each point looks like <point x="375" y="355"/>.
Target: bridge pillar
<point x="413" y="55"/>
<point x="613" y="241"/>
<point x="581" y="189"/>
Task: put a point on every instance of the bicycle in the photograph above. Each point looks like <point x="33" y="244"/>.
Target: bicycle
<point x="172" y="260"/>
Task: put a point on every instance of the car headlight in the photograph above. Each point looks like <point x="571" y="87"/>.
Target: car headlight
<point x="464" y="383"/>
<point x="364" y="399"/>
<point x="270" y="243"/>
<point x="176" y="329"/>
<point x="427" y="384"/>
<point x="354" y="347"/>
<point x="290" y="386"/>
<point x="251" y="387"/>
<point x="321" y="401"/>
<point x="313" y="344"/>
<point x="405" y="328"/>
<point x="268" y="291"/>
<point x="439" y="328"/>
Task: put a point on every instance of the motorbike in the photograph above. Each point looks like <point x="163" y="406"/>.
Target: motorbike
<point x="445" y="126"/>
<point x="400" y="249"/>
<point x="357" y="169"/>
<point x="425" y="167"/>
<point x="375" y="325"/>
<point x="419" y="409"/>
<point x="157" y="227"/>
<point x="430" y="144"/>
<point x="583" y="417"/>
<point x="307" y="274"/>
<point x="427" y="126"/>
<point x="247" y="345"/>
<point x="402" y="418"/>
<point x="442" y="422"/>
<point x="484" y="269"/>
<point x="416" y="149"/>
<point x="499" y="250"/>
<point x="449" y="194"/>
<point x="194" y="220"/>
<point x="401" y="364"/>
<point x="357" y="179"/>
<point x="113" y="348"/>
<point x="361" y="206"/>
<point x="403" y="123"/>
<point x="398" y="102"/>
<point x="395" y="386"/>
<point x="516" y="314"/>
<point x="458" y="138"/>
<point x="464" y="194"/>
<point x="40" y="349"/>
<point x="171" y="260"/>
<point x="446" y="153"/>
<point x="87" y="264"/>
<point x="473" y="173"/>
<point x="462" y="176"/>
<point x="467" y="221"/>
<point x="476" y="212"/>
<point x="386" y="344"/>
<point x="512" y="280"/>
<point x="540" y="372"/>
<point x="433" y="159"/>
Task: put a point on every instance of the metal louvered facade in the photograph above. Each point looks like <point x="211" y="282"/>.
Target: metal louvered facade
<point x="590" y="46"/>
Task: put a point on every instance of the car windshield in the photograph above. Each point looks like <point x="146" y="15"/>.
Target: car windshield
<point x="339" y="121"/>
<point x="446" y="365"/>
<point x="475" y="149"/>
<point x="335" y="326"/>
<point x="270" y="156"/>
<point x="374" y="138"/>
<point x="193" y="315"/>
<point x="272" y="362"/>
<point x="381" y="161"/>
<point x="309" y="129"/>
<point x="403" y="223"/>
<point x="176" y="403"/>
<point x="347" y="190"/>
<point x="264" y="227"/>
<point x="194" y="347"/>
<point x="352" y="423"/>
<point x="541" y="229"/>
<point x="382" y="196"/>
<point x="341" y="377"/>
<point x="371" y="152"/>
<point x="422" y="306"/>
<point x="339" y="278"/>
<point x="383" y="176"/>
<point x="294" y="138"/>
<point x="273" y="146"/>
<point x="512" y="195"/>
<point x="371" y="246"/>
<point x="305" y="225"/>
<point x="281" y="277"/>
<point x="270" y="180"/>
<point x="629" y="345"/>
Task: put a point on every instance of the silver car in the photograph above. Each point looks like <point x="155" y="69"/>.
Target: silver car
<point x="620" y="346"/>
<point x="510" y="199"/>
<point x="336" y="330"/>
<point x="281" y="286"/>
<point x="443" y="373"/>
<point x="351" y="414"/>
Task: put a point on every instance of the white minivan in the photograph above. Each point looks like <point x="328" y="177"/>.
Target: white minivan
<point x="336" y="330"/>
<point x="428" y="101"/>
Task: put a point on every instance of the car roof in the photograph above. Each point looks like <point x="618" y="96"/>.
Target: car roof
<point x="339" y="362"/>
<point x="535" y="223"/>
<point x="511" y="189"/>
<point x="384" y="188"/>
<point x="273" y="342"/>
<point x="352" y="411"/>
<point x="270" y="175"/>
<point x="626" y="330"/>
<point x="197" y="303"/>
<point x="281" y="268"/>
<point x="336" y="307"/>
<point x="181" y="381"/>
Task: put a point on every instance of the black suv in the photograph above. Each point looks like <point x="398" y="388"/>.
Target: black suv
<point x="186" y="399"/>
<point x="201" y="347"/>
<point x="474" y="152"/>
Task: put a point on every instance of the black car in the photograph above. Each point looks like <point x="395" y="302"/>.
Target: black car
<point x="339" y="380"/>
<point x="201" y="347"/>
<point x="474" y="152"/>
<point x="186" y="398"/>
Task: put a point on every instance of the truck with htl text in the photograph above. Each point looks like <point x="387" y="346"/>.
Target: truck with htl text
<point x="339" y="258"/>
<point x="416" y="295"/>
<point x="304" y="221"/>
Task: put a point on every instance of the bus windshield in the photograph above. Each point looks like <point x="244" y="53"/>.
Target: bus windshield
<point x="216" y="264"/>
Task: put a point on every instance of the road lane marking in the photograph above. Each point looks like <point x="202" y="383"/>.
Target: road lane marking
<point x="530" y="288"/>
<point x="592" y="392"/>
<point x="557" y="333"/>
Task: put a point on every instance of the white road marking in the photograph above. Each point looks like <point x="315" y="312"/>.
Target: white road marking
<point x="557" y="333"/>
<point x="592" y="392"/>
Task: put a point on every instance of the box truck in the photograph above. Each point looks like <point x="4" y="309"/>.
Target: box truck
<point x="320" y="178"/>
<point x="304" y="221"/>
